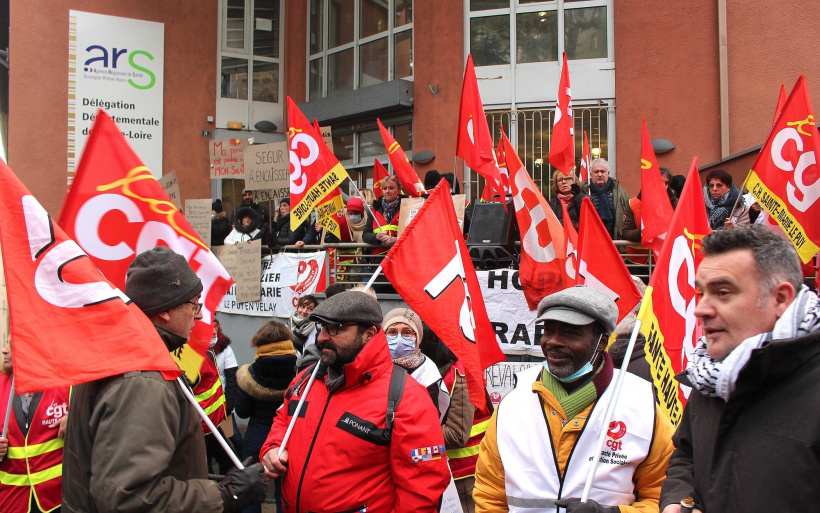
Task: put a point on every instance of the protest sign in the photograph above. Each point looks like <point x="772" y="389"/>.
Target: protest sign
<point x="228" y="157"/>
<point x="170" y="184"/>
<point x="198" y="214"/>
<point x="410" y="207"/>
<point x="501" y="378"/>
<point x="512" y="320"/>
<point x="267" y="167"/>
<point x="284" y="279"/>
<point x="327" y="135"/>
<point x="242" y="262"/>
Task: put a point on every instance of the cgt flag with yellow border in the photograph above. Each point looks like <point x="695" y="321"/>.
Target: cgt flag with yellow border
<point x="667" y="312"/>
<point x="314" y="171"/>
<point x="785" y="178"/>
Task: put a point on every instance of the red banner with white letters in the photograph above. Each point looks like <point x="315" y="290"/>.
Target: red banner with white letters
<point x="442" y="288"/>
<point x="68" y="324"/>
<point x="562" y="142"/>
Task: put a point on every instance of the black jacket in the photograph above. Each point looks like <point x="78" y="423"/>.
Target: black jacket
<point x="760" y="451"/>
<point x="262" y="388"/>
<point x="574" y="208"/>
<point x="368" y="235"/>
<point x="282" y="235"/>
<point x="220" y="228"/>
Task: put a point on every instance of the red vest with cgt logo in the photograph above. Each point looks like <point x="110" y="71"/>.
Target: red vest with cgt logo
<point x="34" y="462"/>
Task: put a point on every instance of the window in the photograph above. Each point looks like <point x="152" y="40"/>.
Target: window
<point x="250" y="50"/>
<point x="535" y="32"/>
<point x="357" y="43"/>
<point x="358" y="145"/>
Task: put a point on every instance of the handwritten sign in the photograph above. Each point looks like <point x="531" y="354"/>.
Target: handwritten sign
<point x="171" y="186"/>
<point x="243" y="263"/>
<point x="327" y="135"/>
<point x="268" y="168"/>
<point x="228" y="158"/>
<point x="198" y="213"/>
<point x="501" y="378"/>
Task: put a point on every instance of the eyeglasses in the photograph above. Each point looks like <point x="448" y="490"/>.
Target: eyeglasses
<point x="392" y="332"/>
<point x="564" y="180"/>
<point x="197" y="307"/>
<point x="333" y="328"/>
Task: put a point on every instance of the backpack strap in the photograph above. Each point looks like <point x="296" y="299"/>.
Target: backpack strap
<point x="298" y="386"/>
<point x="394" y="394"/>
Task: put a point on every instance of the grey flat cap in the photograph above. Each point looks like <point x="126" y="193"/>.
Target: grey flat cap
<point x="349" y="306"/>
<point x="579" y="305"/>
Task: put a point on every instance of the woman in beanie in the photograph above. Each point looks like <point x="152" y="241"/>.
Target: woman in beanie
<point x="220" y="224"/>
<point x="262" y="387"/>
<point x="304" y="330"/>
<point x="403" y="329"/>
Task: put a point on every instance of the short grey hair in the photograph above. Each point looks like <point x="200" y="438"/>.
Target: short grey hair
<point x="776" y="260"/>
<point x="599" y="160"/>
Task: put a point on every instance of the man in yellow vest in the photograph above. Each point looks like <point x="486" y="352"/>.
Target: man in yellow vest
<point x="32" y="452"/>
<point x="542" y="438"/>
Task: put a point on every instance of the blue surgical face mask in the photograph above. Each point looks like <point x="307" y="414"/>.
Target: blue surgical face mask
<point x="580" y="373"/>
<point x="400" y="346"/>
<point x="356" y="218"/>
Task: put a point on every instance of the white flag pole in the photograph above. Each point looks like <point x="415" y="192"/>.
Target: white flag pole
<point x="299" y="408"/>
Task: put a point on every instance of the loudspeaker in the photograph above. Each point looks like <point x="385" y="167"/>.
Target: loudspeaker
<point x="492" y="226"/>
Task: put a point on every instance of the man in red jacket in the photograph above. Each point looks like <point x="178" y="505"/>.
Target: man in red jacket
<point x="342" y="455"/>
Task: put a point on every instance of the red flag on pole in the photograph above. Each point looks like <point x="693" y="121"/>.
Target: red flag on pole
<point x="314" y="171"/>
<point x="667" y="313"/>
<point x="401" y="165"/>
<point x="562" y="142"/>
<point x="600" y="265"/>
<point x="781" y="101"/>
<point x="115" y="210"/>
<point x="69" y="325"/>
<point x="379" y="174"/>
<point x="586" y="160"/>
<point x="542" y="238"/>
<point x="474" y="143"/>
<point x="443" y="288"/>
<point x="571" y="236"/>
<point x="492" y="188"/>
<point x="655" y="205"/>
<point x="785" y="178"/>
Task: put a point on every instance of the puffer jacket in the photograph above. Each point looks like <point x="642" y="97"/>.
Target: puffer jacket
<point x="283" y="235"/>
<point x="758" y="452"/>
<point x="220" y="228"/>
<point x="262" y="388"/>
<point x="254" y="231"/>
<point x="337" y="458"/>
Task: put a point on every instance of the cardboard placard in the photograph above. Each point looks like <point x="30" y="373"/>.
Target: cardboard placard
<point x="268" y="168"/>
<point x="171" y="186"/>
<point x="228" y="157"/>
<point x="411" y="206"/>
<point x="327" y="135"/>
<point x="243" y="262"/>
<point x="198" y="214"/>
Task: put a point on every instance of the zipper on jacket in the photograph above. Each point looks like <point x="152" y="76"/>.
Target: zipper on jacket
<point x="310" y="452"/>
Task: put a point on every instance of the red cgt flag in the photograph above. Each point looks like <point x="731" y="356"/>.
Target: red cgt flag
<point x="379" y="174"/>
<point x="600" y="266"/>
<point x="562" y="143"/>
<point x="785" y="178"/>
<point x="571" y="236"/>
<point x="667" y="313"/>
<point x="442" y="287"/>
<point x="474" y="143"/>
<point x="115" y="210"/>
<point x="401" y="165"/>
<point x="542" y="238"/>
<point x="69" y="325"/>
<point x="586" y="160"/>
<point x="781" y="102"/>
<point x="656" y="207"/>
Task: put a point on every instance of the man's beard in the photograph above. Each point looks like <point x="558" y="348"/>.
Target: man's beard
<point x="336" y="357"/>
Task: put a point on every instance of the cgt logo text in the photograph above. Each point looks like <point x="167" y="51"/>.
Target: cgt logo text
<point x="55" y="411"/>
<point x="101" y="61"/>
<point x="617" y="430"/>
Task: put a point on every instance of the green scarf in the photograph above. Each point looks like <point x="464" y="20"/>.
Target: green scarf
<point x="573" y="403"/>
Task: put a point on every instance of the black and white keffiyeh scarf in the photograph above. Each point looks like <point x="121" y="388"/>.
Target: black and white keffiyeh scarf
<point x="719" y="209"/>
<point x="717" y="379"/>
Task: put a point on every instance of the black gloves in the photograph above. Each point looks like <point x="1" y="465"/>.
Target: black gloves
<point x="241" y="488"/>
<point x="575" y="505"/>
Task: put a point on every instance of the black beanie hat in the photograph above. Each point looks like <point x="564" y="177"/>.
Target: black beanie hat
<point x="159" y="279"/>
<point x="216" y="206"/>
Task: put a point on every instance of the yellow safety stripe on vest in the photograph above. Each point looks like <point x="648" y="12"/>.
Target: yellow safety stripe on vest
<point x="31" y="479"/>
<point x="20" y="453"/>
<point x="204" y="396"/>
<point x="212" y="408"/>
<point x="463" y="452"/>
<point x="390" y="227"/>
<point x="479" y="428"/>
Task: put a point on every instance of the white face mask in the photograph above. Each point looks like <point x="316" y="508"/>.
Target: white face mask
<point x="214" y="340"/>
<point x="356" y="218"/>
<point x="400" y="346"/>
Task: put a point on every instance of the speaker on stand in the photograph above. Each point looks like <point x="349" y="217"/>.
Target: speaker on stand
<point x="491" y="240"/>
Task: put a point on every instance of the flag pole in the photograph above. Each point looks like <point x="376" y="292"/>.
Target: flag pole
<point x="372" y="279"/>
<point x="364" y="201"/>
<point x="299" y="408"/>
<point x="613" y="402"/>
<point x="8" y="411"/>
<point x="742" y="186"/>
<point x="191" y="399"/>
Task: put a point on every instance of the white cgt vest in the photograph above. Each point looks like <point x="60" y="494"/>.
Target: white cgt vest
<point x="531" y="468"/>
<point x="426" y="374"/>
